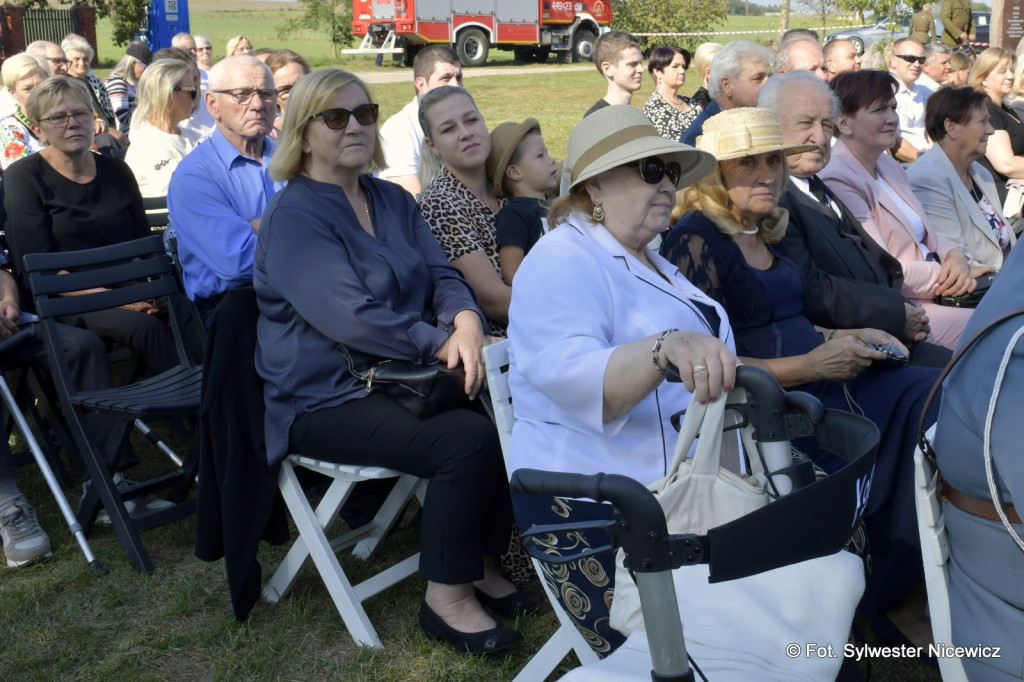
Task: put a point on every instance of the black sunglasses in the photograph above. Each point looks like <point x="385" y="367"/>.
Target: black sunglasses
<point x="191" y="91"/>
<point x="911" y="58"/>
<point x="653" y="169"/>
<point x="337" y="119"/>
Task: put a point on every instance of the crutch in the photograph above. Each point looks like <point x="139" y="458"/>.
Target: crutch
<point x="9" y="345"/>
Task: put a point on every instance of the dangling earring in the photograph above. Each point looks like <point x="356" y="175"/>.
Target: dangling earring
<point x="597" y="214"/>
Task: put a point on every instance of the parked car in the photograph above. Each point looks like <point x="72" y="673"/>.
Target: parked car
<point x="862" y="37"/>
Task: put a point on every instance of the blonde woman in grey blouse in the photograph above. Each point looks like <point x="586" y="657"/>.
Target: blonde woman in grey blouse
<point x="670" y="112"/>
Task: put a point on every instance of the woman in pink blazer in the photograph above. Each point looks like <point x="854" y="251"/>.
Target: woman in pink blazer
<point x="876" y="189"/>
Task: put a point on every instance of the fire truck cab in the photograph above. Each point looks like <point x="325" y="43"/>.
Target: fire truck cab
<point x="533" y="28"/>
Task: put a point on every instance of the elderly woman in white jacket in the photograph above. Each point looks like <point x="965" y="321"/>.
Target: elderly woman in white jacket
<point x="958" y="193"/>
<point x="596" y="315"/>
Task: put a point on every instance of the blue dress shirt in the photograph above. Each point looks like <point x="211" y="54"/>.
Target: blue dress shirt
<point x="696" y="128"/>
<point x="214" y="193"/>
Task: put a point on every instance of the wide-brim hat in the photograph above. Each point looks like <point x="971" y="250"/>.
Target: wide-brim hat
<point x="621" y="133"/>
<point x="505" y="139"/>
<point x="747" y="131"/>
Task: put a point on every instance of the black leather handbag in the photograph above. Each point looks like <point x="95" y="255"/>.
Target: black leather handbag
<point x="972" y="299"/>
<point x="423" y="390"/>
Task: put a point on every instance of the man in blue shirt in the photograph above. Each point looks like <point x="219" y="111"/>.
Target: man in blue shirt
<point x="218" y="192"/>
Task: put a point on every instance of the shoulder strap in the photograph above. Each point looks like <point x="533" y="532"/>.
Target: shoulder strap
<point x="922" y="440"/>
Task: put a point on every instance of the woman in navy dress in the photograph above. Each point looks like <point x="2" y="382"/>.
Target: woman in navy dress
<point x="730" y="249"/>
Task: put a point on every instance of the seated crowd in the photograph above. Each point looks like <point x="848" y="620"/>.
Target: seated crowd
<point x="795" y="211"/>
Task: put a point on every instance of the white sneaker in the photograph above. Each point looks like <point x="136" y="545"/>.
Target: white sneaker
<point x="24" y="541"/>
<point x="137" y="507"/>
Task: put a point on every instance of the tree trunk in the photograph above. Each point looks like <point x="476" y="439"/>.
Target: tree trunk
<point x="784" y="18"/>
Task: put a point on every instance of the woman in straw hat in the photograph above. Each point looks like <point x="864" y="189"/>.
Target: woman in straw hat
<point x="374" y="279"/>
<point x="730" y="248"/>
<point x="596" y="315"/>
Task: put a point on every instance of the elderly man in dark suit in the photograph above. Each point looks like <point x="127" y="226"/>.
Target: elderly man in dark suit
<point x="850" y="280"/>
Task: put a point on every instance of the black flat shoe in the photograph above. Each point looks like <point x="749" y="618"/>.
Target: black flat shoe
<point x="485" y="642"/>
<point x="511" y="605"/>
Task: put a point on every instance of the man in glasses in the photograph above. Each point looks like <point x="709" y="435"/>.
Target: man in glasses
<point x="905" y="63"/>
<point x="218" y="192"/>
<point x="54" y="55"/>
<point x="401" y="136"/>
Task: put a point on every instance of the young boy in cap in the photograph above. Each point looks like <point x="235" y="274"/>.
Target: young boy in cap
<point x="520" y="167"/>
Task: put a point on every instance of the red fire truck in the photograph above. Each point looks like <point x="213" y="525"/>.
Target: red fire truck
<point x="533" y="28"/>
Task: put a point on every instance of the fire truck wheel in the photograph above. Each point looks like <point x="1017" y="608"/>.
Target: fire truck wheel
<point x="472" y="47"/>
<point x="583" y="45"/>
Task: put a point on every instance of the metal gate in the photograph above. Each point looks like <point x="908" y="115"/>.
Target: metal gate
<point x="47" y="24"/>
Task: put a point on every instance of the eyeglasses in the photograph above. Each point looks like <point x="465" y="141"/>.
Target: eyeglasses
<point x="200" y="48"/>
<point x="245" y="95"/>
<point x="911" y="58"/>
<point x="653" y="169"/>
<point x="191" y="91"/>
<point x="58" y="61"/>
<point x="337" y="119"/>
<point x="83" y="116"/>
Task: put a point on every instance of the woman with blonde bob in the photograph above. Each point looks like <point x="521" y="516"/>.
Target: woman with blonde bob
<point x="730" y="247"/>
<point x="238" y="45"/>
<point x="376" y="281"/>
<point x="993" y="74"/>
<point x="167" y="96"/>
<point x="21" y="73"/>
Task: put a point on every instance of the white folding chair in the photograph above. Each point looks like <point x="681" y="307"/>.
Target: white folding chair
<point x="312" y="542"/>
<point x="931" y="525"/>
<point x="567" y="638"/>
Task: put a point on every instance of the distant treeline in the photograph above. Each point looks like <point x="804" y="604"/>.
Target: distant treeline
<point x="750" y="9"/>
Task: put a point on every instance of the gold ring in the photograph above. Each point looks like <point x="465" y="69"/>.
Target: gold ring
<point x="700" y="367"/>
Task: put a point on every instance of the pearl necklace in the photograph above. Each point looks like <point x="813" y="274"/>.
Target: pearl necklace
<point x="754" y="231"/>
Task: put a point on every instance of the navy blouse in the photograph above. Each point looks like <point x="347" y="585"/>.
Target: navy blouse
<point x="321" y="279"/>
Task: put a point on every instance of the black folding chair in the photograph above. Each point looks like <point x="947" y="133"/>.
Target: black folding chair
<point x="125" y="273"/>
<point x="156" y="212"/>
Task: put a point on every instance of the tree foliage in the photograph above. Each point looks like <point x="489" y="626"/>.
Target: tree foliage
<point x="331" y="17"/>
<point x="822" y="9"/>
<point x="668" y="16"/>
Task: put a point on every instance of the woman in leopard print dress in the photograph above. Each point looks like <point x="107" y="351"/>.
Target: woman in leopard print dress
<point x="459" y="204"/>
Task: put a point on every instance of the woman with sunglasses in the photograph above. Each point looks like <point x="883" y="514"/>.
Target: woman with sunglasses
<point x="376" y="280"/>
<point x="596" y="317"/>
<point x="288" y="67"/>
<point x="876" y="189"/>
<point x="167" y="96"/>
<point x="730" y="247"/>
<point x="590" y="342"/>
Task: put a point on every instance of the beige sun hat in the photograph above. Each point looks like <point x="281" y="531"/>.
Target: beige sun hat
<point x="621" y="133"/>
<point x="505" y="139"/>
<point x="747" y="131"/>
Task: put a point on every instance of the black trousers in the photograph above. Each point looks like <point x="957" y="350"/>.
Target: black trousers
<point x="87" y="361"/>
<point x="147" y="335"/>
<point x="467" y="513"/>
